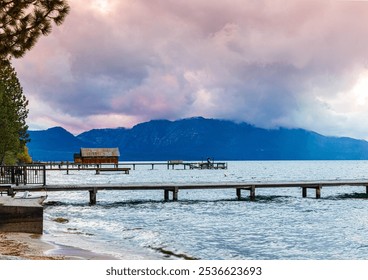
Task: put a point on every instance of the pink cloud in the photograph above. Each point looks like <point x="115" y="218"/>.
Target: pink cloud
<point x="265" y="62"/>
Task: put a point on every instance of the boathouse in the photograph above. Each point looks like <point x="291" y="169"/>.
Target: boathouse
<point x="97" y="155"/>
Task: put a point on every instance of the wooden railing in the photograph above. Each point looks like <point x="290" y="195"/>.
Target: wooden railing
<point x="23" y="174"/>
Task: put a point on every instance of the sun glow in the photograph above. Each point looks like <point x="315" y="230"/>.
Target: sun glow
<point x="102" y="5"/>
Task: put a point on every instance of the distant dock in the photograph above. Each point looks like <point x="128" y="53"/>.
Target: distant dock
<point x="171" y="164"/>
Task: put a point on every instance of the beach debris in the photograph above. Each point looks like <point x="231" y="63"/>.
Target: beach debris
<point x="61" y="220"/>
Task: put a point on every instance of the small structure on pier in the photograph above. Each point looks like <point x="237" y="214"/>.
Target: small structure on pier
<point x="209" y="164"/>
<point x="97" y="156"/>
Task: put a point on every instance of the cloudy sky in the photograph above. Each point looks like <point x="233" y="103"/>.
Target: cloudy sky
<point x="115" y="63"/>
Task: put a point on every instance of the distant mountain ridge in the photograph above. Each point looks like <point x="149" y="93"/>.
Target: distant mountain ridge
<point x="53" y="144"/>
<point x="196" y="139"/>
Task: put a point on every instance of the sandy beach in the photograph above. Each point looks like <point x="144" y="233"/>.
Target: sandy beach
<point x="25" y="246"/>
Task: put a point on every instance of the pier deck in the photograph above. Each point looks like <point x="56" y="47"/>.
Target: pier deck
<point x="171" y="164"/>
<point x="174" y="188"/>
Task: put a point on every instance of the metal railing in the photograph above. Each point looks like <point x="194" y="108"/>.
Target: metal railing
<point x="23" y="174"/>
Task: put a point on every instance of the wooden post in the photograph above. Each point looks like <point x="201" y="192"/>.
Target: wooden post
<point x="366" y="189"/>
<point x="11" y="192"/>
<point x="304" y="192"/>
<point x="12" y="170"/>
<point x="238" y="193"/>
<point x="153" y="166"/>
<point x="253" y="193"/>
<point x="133" y="166"/>
<point x="175" y="194"/>
<point x="318" y="192"/>
<point x="93" y="196"/>
<point x="166" y="195"/>
<point x="44" y="175"/>
<point x="25" y="179"/>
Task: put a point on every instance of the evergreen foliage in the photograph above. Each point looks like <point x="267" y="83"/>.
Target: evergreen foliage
<point x="13" y="114"/>
<point x="22" y="22"/>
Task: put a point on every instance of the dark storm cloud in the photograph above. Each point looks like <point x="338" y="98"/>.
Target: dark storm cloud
<point x="271" y="63"/>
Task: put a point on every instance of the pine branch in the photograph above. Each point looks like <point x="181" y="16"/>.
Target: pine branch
<point x="23" y="22"/>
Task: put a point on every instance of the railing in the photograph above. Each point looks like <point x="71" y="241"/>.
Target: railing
<point x="23" y="174"/>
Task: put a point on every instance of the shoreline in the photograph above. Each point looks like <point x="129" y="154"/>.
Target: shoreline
<point x="74" y="253"/>
<point x="27" y="246"/>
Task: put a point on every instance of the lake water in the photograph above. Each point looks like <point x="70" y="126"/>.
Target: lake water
<point x="213" y="224"/>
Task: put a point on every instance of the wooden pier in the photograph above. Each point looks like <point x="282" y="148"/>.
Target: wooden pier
<point x="98" y="168"/>
<point x="174" y="189"/>
<point x="112" y="169"/>
<point x="171" y="164"/>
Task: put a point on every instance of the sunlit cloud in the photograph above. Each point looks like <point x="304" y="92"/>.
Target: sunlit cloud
<point x="269" y="63"/>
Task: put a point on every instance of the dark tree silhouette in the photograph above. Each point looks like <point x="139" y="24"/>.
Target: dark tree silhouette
<point x="22" y="22"/>
<point x="13" y="114"/>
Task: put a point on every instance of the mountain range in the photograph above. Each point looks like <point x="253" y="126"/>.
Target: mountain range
<point x="197" y="139"/>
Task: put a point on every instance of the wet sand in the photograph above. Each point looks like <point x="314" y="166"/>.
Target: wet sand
<point x="25" y="246"/>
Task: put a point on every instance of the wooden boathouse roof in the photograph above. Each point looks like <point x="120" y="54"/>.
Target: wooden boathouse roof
<point x="99" y="152"/>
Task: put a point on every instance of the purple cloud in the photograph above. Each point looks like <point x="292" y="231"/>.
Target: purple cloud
<point x="269" y="63"/>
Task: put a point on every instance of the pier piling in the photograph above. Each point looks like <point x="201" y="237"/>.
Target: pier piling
<point x="252" y="190"/>
<point x="318" y="192"/>
<point x="238" y="193"/>
<point x="174" y="192"/>
<point x="93" y="196"/>
<point x="304" y="192"/>
<point x="317" y="188"/>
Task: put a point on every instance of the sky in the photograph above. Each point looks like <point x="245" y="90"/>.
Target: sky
<point x="116" y="63"/>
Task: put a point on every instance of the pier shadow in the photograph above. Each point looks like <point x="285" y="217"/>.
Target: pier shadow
<point x="140" y="202"/>
<point x="134" y="203"/>
<point x="54" y="203"/>
<point x="349" y="196"/>
<point x="62" y="203"/>
<point x="168" y="254"/>
<point x="267" y="199"/>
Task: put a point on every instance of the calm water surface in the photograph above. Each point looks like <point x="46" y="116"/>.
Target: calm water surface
<point x="213" y="224"/>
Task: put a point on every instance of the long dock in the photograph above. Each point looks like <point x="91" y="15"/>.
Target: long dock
<point x="171" y="164"/>
<point x="173" y="188"/>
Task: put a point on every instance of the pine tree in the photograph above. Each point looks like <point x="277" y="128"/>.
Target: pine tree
<point x="13" y="114"/>
<point x="22" y="22"/>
